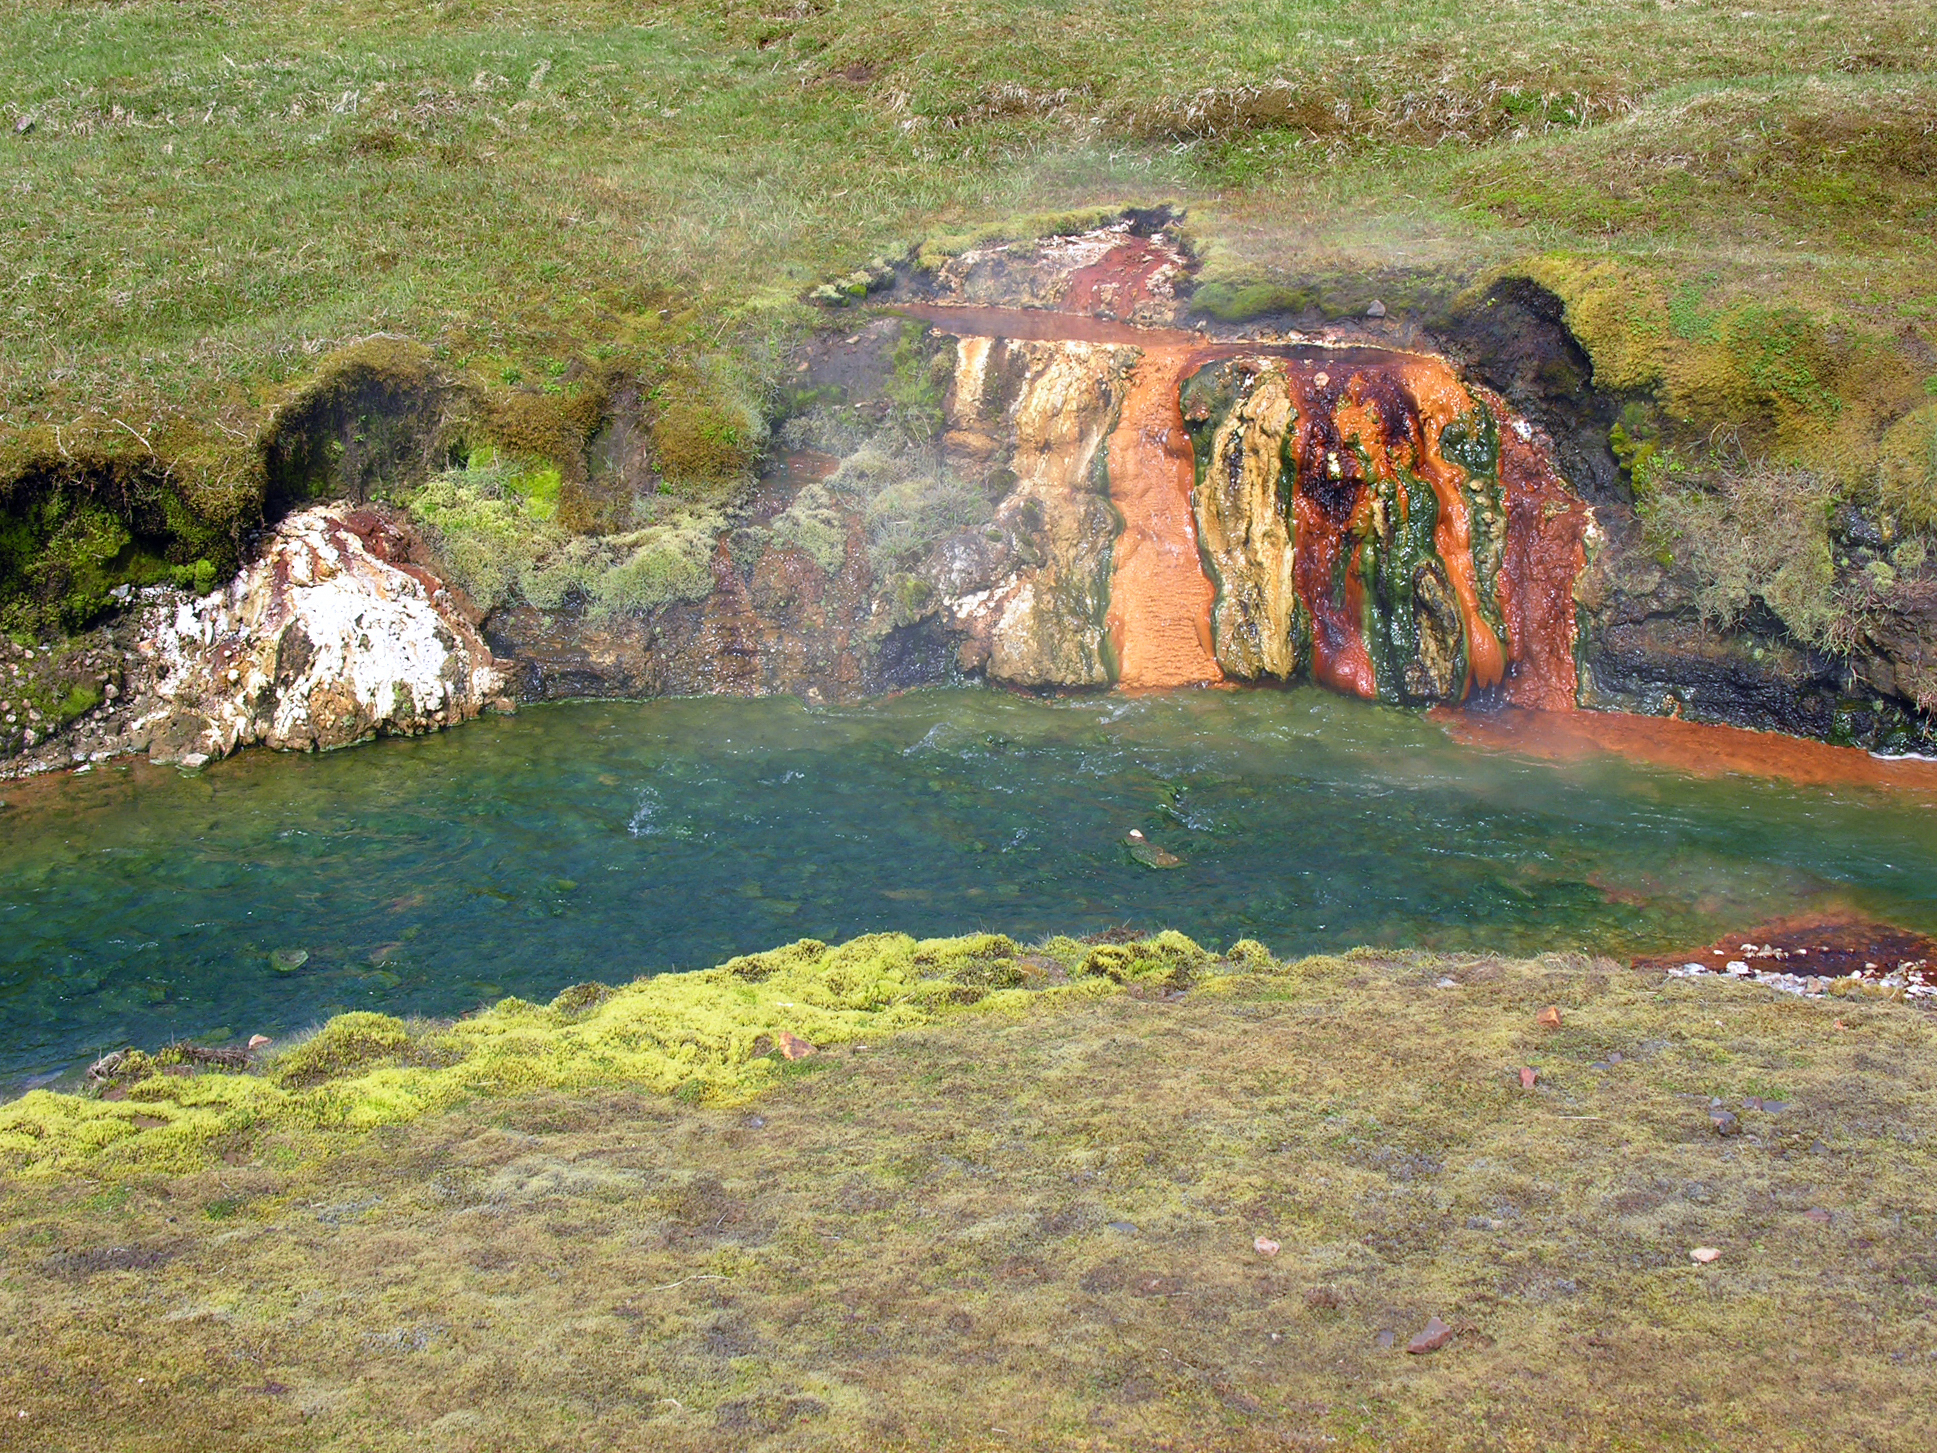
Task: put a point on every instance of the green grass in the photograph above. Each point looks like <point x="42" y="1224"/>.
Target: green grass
<point x="214" y="193"/>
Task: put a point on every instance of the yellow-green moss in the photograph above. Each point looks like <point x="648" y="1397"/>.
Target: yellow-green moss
<point x="1907" y="470"/>
<point x="940" y="247"/>
<point x="705" y="1034"/>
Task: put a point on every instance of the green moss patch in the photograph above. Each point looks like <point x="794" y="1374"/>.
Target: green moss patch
<point x="709" y="1034"/>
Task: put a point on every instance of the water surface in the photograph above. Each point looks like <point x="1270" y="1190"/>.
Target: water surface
<point x="606" y="840"/>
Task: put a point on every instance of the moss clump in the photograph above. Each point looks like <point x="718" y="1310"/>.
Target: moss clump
<point x="705" y="1034"/>
<point x="705" y="441"/>
<point x="1168" y="962"/>
<point x="1240" y="302"/>
<point x="1906" y="483"/>
<point x="494" y="527"/>
<point x="348" y="1042"/>
<point x="904" y="498"/>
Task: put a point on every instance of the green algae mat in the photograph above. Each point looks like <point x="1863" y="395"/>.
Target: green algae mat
<point x="603" y="841"/>
<point x="1101" y="1196"/>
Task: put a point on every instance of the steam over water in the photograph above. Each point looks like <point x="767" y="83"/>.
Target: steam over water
<point x="607" y="840"/>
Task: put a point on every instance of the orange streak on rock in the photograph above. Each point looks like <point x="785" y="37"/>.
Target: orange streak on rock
<point x="1440" y="399"/>
<point x="1159" y="618"/>
<point x="1545" y="553"/>
<point x="1695" y="747"/>
<point x="1340" y="659"/>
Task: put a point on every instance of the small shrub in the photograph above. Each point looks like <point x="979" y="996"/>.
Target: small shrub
<point x="1762" y="533"/>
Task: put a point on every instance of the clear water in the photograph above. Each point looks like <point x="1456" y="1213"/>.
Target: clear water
<point x="607" y="840"/>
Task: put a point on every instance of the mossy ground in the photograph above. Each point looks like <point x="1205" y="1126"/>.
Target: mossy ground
<point x="1029" y="1222"/>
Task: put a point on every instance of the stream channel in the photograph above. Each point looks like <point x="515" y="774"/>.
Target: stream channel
<point x="603" y="840"/>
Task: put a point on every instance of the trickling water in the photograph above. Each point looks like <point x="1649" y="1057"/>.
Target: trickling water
<point x="606" y="840"/>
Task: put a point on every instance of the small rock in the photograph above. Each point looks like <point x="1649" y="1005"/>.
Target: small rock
<point x="1703" y="1255"/>
<point x="1549" y="1017"/>
<point x="287" y="960"/>
<point x="257" y="1041"/>
<point x="1148" y="853"/>
<point x="1376" y="309"/>
<point x="1818" y="1215"/>
<point x="1724" y="1122"/>
<point x="1774" y="1107"/>
<point x="1528" y="1078"/>
<point x="792" y="1046"/>
<point x="1385" y="1337"/>
<point x="755" y="1122"/>
<point x="24" y="125"/>
<point x="1122" y="1228"/>
<point x="1751" y="1102"/>
<point x="1265" y="1246"/>
<point x="1447" y="984"/>
<point x="1430" y="1338"/>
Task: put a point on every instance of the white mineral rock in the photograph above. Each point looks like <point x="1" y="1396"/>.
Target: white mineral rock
<point x="330" y="636"/>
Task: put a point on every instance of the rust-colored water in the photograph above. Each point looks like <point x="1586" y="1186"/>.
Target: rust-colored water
<point x="1159" y="619"/>
<point x="1835" y="944"/>
<point x="1694" y="747"/>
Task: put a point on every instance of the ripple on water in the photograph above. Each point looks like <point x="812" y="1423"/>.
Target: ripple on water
<point x="605" y="840"/>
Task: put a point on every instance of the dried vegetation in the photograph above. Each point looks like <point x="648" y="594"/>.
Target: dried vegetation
<point x="1043" y="1214"/>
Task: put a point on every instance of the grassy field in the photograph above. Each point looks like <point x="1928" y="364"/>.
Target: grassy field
<point x="210" y="196"/>
<point x="1042" y="1220"/>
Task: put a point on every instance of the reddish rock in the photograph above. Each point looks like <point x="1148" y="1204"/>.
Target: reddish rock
<point x="1430" y="1338"/>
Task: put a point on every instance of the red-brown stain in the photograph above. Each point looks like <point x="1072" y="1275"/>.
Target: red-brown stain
<point x="1833" y="945"/>
<point x="1546" y="551"/>
<point x="1699" y="748"/>
<point x="1118" y="282"/>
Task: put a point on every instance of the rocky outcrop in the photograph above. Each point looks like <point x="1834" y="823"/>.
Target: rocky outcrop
<point x="332" y="635"/>
<point x="1375" y="521"/>
<point x="1031" y="612"/>
<point x="1131" y="272"/>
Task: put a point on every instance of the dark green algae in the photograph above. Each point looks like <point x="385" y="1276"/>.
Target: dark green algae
<point x="601" y="841"/>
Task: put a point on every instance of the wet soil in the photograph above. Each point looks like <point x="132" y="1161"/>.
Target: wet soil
<point x="1821" y="952"/>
